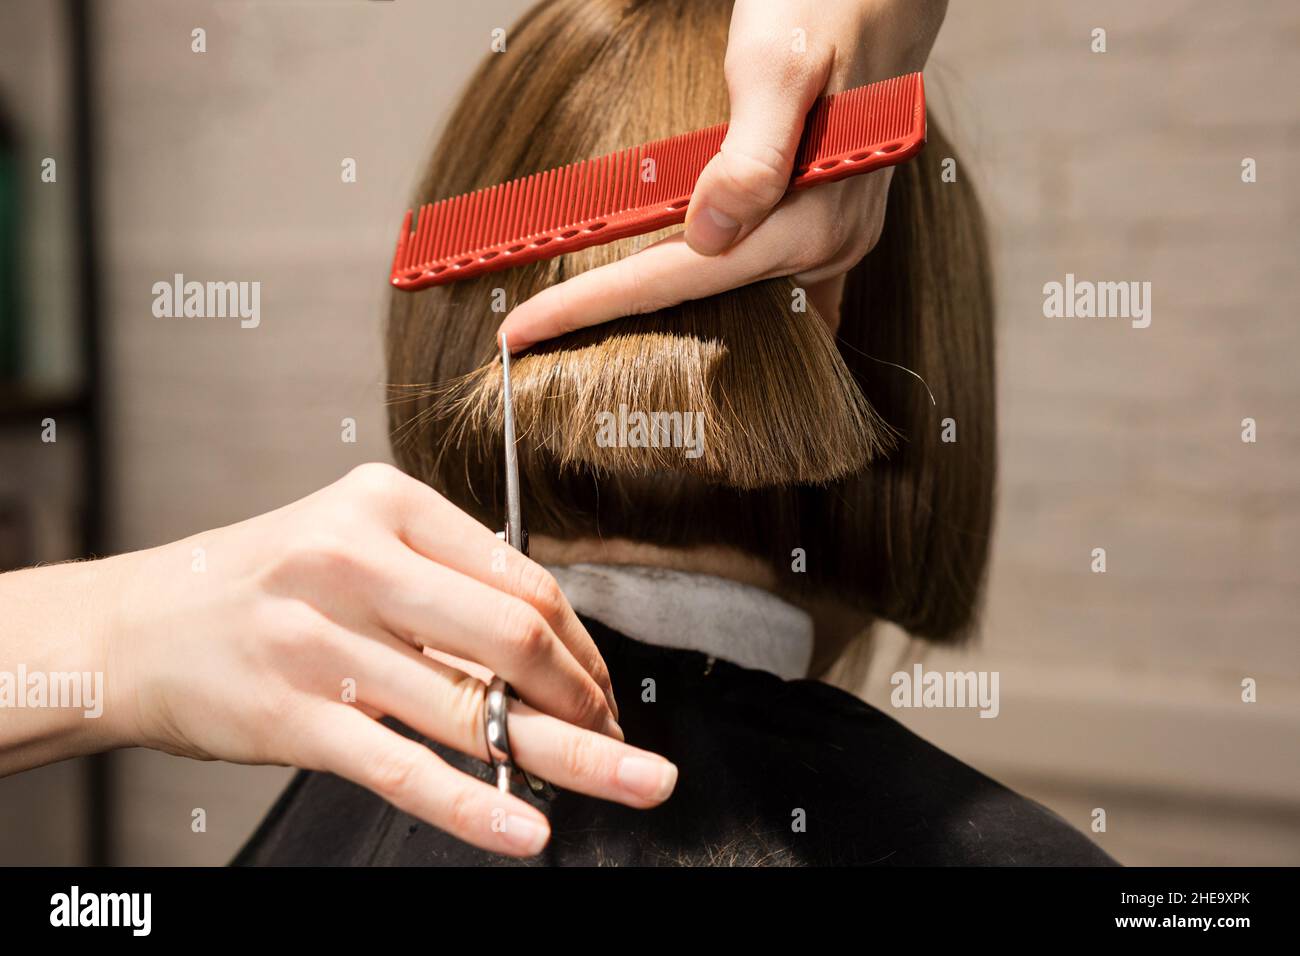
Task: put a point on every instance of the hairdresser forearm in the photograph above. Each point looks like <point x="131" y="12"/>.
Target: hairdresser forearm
<point x="57" y="684"/>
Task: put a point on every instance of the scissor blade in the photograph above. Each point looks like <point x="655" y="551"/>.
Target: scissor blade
<point x="514" y="510"/>
<point x="517" y="539"/>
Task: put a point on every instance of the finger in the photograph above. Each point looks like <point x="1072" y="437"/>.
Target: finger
<point x="415" y="780"/>
<point x="662" y="275"/>
<point x="577" y="759"/>
<point x="430" y="605"/>
<point x="447" y="706"/>
<point x="436" y="529"/>
<point x="772" y="84"/>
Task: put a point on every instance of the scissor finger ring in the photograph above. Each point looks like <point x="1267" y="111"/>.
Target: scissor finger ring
<point x="496" y="704"/>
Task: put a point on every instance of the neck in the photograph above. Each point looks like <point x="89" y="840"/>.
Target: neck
<point x="833" y="624"/>
<point x="717" y="560"/>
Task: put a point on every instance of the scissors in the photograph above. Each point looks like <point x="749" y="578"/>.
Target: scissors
<point x="496" y="704"/>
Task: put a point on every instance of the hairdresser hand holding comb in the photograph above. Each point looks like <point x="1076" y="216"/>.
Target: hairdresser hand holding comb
<point x="739" y="229"/>
<point x="278" y="640"/>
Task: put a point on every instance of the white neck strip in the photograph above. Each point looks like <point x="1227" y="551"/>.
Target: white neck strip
<point x="697" y="612"/>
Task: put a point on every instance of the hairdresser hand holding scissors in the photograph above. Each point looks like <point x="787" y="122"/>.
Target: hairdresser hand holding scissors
<point x="278" y="639"/>
<point x="739" y="229"/>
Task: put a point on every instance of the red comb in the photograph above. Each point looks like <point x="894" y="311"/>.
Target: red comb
<point x="600" y="200"/>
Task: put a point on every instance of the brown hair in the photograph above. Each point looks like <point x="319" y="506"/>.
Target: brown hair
<point x="812" y="443"/>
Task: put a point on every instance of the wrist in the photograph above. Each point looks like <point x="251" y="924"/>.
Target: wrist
<point x="900" y="33"/>
<point x="56" y="679"/>
<point x="113" y="623"/>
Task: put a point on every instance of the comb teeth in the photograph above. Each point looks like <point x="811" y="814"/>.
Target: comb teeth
<point x="641" y="188"/>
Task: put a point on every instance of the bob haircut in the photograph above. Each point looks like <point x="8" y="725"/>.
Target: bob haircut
<point x="812" y="442"/>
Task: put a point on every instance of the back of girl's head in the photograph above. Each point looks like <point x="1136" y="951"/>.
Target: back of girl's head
<point x="818" y="456"/>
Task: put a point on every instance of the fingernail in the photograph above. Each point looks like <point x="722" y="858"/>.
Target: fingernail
<point x="612" y="729"/>
<point x="713" y="231"/>
<point x="525" y="834"/>
<point x="514" y="336"/>
<point x="647" y="778"/>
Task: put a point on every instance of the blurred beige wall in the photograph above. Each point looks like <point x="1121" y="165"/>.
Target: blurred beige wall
<point x="1120" y="690"/>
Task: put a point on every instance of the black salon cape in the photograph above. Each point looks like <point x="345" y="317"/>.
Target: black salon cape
<point x="772" y="772"/>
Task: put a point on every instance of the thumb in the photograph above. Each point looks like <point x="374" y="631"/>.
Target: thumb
<point x="751" y="172"/>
